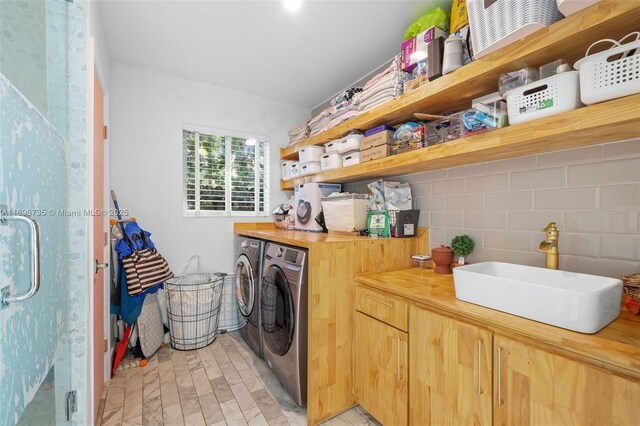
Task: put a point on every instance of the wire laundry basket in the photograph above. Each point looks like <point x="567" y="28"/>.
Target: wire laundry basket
<point x="193" y="306"/>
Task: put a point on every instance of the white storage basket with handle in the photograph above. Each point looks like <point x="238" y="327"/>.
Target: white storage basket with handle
<point x="610" y="74"/>
<point x="569" y="7"/>
<point x="331" y="161"/>
<point x="310" y="154"/>
<point x="543" y="98"/>
<point x="286" y="171"/>
<point x="498" y="23"/>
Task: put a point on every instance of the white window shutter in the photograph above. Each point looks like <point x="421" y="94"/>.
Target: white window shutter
<point x="225" y="173"/>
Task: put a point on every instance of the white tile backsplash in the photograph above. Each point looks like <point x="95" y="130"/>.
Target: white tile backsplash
<point x="565" y="198"/>
<point x="570" y="156"/>
<point x="512" y="164"/>
<point x="604" y="172"/>
<point x="592" y="193"/>
<point x="489" y="183"/>
<point x="626" y="149"/>
<point x="516" y="200"/>
<point x="626" y="247"/>
<point x="465" y="202"/>
<point x="602" y="221"/>
<point x="553" y="177"/>
<point x="626" y="196"/>
<point x="485" y="220"/>
<point x="449" y="186"/>
<point x="533" y="220"/>
<point x="436" y="203"/>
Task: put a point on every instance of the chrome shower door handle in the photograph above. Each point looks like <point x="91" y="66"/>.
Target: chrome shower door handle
<point x="34" y="239"/>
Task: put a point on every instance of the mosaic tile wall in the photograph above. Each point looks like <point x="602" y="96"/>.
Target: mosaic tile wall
<point x="63" y="101"/>
<point x="33" y="175"/>
<point x="78" y="226"/>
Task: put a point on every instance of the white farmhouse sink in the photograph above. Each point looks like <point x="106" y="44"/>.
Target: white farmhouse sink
<point x="578" y="302"/>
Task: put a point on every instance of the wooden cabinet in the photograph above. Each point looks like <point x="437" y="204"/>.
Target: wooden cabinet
<point x="536" y="387"/>
<point x="382" y="307"/>
<point x="380" y="368"/>
<point x="450" y="369"/>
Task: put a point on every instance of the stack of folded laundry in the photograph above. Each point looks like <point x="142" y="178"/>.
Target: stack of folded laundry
<point x="342" y="112"/>
<point x="319" y="122"/>
<point x="298" y="134"/>
<point x="382" y="88"/>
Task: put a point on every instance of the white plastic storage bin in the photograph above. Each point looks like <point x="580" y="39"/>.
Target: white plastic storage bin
<point x="331" y="161"/>
<point x="601" y="80"/>
<point x="346" y="213"/>
<point x="498" y="23"/>
<point x="310" y="154"/>
<point x="332" y="146"/>
<point x="542" y="98"/>
<point x="569" y="7"/>
<point x="349" y="143"/>
<point x="294" y="169"/>
<point x="286" y="171"/>
<point x="350" y="159"/>
<point x="310" y="168"/>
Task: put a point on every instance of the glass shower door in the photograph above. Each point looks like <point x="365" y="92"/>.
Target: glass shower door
<point x="35" y="355"/>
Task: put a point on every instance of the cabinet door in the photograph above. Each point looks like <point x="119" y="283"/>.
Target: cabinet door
<point x="536" y="387"/>
<point x="450" y="371"/>
<point x="380" y="363"/>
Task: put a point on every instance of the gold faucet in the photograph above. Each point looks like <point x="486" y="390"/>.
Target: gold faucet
<point x="550" y="245"/>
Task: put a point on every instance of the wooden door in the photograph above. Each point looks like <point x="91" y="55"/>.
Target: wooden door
<point x="380" y="357"/>
<point x="536" y="387"/>
<point x="98" y="242"/>
<point x="450" y="371"/>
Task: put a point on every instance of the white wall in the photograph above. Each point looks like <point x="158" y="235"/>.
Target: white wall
<point x="148" y="110"/>
<point x="101" y="51"/>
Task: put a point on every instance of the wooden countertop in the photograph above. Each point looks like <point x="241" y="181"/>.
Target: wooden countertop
<point x="618" y="344"/>
<point x="268" y="231"/>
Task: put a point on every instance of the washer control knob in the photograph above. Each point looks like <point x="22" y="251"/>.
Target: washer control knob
<point x="244" y="245"/>
<point x="280" y="252"/>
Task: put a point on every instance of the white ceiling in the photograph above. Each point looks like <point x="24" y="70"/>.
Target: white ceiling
<point x="257" y="46"/>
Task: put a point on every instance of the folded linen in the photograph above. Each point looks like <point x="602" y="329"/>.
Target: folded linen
<point x="372" y="104"/>
<point x="342" y="118"/>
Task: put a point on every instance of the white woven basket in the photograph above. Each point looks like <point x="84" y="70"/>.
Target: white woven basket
<point x="497" y="23"/>
<point x="543" y="98"/>
<point x="609" y="74"/>
<point x="569" y="7"/>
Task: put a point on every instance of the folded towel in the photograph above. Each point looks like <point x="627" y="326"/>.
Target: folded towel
<point x="342" y="118"/>
<point x="372" y="104"/>
<point x="387" y="93"/>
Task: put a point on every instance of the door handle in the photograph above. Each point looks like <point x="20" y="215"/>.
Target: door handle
<point x="479" y="366"/>
<point x="99" y="265"/>
<point x="500" y="400"/>
<point x="34" y="242"/>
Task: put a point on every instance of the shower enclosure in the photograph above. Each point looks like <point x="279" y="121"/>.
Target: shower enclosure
<point x="43" y="279"/>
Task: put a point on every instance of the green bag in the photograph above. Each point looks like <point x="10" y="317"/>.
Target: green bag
<point x="438" y="17"/>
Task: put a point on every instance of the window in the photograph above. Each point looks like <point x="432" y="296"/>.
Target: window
<point x="225" y="173"/>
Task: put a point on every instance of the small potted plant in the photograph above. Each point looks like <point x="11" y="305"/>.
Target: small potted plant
<point x="462" y="245"/>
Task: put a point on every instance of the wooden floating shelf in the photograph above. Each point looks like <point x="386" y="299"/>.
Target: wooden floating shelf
<point x="610" y="121"/>
<point x="567" y="39"/>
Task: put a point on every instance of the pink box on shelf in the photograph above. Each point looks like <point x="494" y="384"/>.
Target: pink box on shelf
<point x="415" y="49"/>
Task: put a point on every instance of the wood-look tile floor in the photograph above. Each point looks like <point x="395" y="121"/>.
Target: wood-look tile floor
<point x="222" y="384"/>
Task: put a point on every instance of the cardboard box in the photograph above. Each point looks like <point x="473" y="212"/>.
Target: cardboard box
<point x="380" y="138"/>
<point x="375" y="152"/>
<point x="308" y="204"/>
<point x="416" y="49"/>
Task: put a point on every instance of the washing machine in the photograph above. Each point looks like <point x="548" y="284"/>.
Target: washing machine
<point x="284" y="317"/>
<point x="250" y="253"/>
